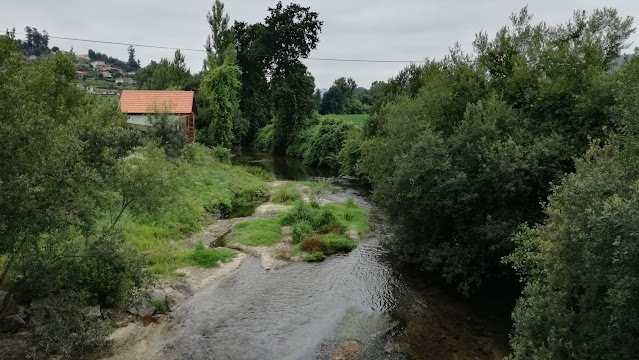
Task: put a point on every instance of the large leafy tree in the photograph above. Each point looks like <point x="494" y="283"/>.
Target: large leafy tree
<point x="580" y="265"/>
<point x="252" y="58"/>
<point x="273" y="49"/>
<point x="220" y="41"/>
<point x="165" y="75"/>
<point x="471" y="144"/>
<point x="292" y="32"/>
<point x="58" y="165"/>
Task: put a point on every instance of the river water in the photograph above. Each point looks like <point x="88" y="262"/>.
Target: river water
<point x="306" y="311"/>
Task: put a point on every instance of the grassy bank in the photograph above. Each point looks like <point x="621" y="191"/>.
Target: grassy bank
<point x="205" y="188"/>
<point x="355" y="119"/>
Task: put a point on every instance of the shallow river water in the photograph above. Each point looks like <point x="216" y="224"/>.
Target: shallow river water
<point x="306" y="310"/>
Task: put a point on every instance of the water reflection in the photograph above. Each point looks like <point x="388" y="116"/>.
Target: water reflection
<point x="283" y="167"/>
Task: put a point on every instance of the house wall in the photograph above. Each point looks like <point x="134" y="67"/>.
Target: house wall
<point x="143" y="120"/>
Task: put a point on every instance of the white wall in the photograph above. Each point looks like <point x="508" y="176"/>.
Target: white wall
<point x="143" y="120"/>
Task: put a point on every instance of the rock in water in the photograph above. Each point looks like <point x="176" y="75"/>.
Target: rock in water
<point x="142" y="308"/>
<point x="156" y="295"/>
<point x="11" y="323"/>
<point x="184" y="289"/>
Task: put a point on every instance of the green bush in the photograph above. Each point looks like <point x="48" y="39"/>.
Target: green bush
<point x="105" y="272"/>
<point x="301" y="212"/>
<point x="222" y="154"/>
<point x="300" y="230"/>
<point x="61" y="328"/>
<point x="313" y="243"/>
<point x="264" y="137"/>
<point x="259" y="171"/>
<point x="327" y="222"/>
<point x="286" y="194"/>
<point x="315" y="257"/>
<point x="208" y="258"/>
<point x="335" y="243"/>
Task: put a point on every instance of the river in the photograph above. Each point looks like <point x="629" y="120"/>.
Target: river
<point x="305" y="311"/>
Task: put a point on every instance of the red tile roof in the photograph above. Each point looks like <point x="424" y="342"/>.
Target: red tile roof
<point x="155" y="101"/>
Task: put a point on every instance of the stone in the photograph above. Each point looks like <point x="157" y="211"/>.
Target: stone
<point x="142" y="308"/>
<point x="183" y="288"/>
<point x="21" y="312"/>
<point x="93" y="312"/>
<point x="11" y="323"/>
<point x="156" y="295"/>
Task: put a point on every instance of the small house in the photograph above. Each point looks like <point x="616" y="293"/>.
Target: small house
<point x="141" y="105"/>
<point x="127" y="81"/>
<point x="106" y="75"/>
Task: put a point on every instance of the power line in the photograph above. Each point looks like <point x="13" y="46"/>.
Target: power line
<point x="201" y="50"/>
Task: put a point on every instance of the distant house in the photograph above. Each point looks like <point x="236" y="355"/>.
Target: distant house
<point x="106" y="75"/>
<point x="82" y="57"/>
<point x="98" y="65"/>
<point x="111" y="68"/>
<point x="140" y="105"/>
<point x="81" y="74"/>
<point x="126" y="81"/>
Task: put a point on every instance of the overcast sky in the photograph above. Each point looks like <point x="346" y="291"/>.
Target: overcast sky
<point x="356" y="29"/>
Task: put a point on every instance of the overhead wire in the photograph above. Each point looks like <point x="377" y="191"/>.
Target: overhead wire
<point x="202" y="50"/>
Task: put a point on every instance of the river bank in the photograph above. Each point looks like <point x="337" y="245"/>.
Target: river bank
<point x="358" y="305"/>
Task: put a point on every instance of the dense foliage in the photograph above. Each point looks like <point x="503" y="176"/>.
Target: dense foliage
<point x="463" y="150"/>
<point x="582" y="282"/>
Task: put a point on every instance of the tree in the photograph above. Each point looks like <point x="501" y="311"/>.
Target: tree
<point x="220" y="41"/>
<point x="220" y="87"/>
<point x="317" y="97"/>
<point x="471" y="144"/>
<point x="165" y="75"/>
<point x="255" y="102"/>
<point x="291" y="32"/>
<point x="54" y="180"/>
<point x="131" y="62"/>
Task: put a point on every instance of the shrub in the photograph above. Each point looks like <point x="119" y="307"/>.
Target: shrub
<point x="318" y="189"/>
<point x="222" y="154"/>
<point x="301" y="212"/>
<point x="161" y="305"/>
<point x="315" y="257"/>
<point x="208" y="258"/>
<point x="105" y="271"/>
<point x="350" y="203"/>
<point x="264" y="137"/>
<point x="313" y="243"/>
<point x="335" y="243"/>
<point x="300" y="230"/>
<point x="285" y="194"/>
<point x="170" y="137"/>
<point x="61" y="328"/>
<point x="327" y="222"/>
<point x="259" y="171"/>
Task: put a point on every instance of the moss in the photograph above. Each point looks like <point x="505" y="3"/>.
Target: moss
<point x="208" y="258"/>
<point x="315" y="257"/>
<point x="258" y="232"/>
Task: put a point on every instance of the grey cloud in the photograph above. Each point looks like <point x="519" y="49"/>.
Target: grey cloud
<point x="375" y="29"/>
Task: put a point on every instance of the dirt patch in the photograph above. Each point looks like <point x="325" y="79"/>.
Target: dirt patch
<point x="347" y="350"/>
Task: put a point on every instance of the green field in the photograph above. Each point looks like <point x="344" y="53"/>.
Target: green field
<point x="357" y="119"/>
